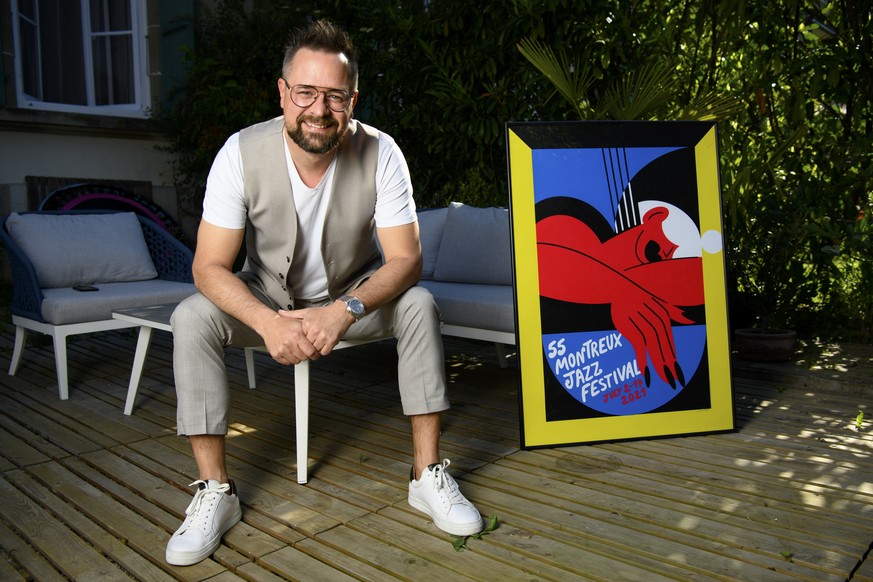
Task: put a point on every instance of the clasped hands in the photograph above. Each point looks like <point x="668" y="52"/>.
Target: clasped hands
<point x="306" y="334"/>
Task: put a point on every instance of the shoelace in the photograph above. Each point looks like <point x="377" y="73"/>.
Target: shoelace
<point x="204" y="495"/>
<point x="442" y="481"/>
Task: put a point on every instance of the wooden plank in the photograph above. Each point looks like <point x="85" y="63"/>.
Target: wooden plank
<point x="9" y="572"/>
<point x="809" y="469"/>
<point x="354" y="485"/>
<point x="864" y="573"/>
<point x="639" y="478"/>
<point x="792" y="478"/>
<point x="432" y="544"/>
<point x="758" y="486"/>
<point x="618" y="543"/>
<point x="56" y="440"/>
<point x="147" y="539"/>
<point x="243" y="538"/>
<point x="622" y="503"/>
<point x="55" y="425"/>
<point x="385" y="556"/>
<point x="90" y="531"/>
<point x="340" y="561"/>
<point x="66" y="551"/>
<point x="15" y="451"/>
<point x="293" y="564"/>
<point x="28" y="564"/>
<point x="304" y="509"/>
<point x="257" y="573"/>
<point x="542" y="556"/>
<point x="178" y="495"/>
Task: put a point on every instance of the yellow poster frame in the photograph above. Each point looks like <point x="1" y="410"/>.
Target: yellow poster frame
<point x="523" y="139"/>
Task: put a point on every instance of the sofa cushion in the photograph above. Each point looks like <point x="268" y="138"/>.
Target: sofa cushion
<point x="83" y="249"/>
<point x="475" y="246"/>
<point x="430" y="224"/>
<point x="65" y="305"/>
<point x="469" y="305"/>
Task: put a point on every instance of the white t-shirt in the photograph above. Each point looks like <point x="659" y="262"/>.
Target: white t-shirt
<point x="224" y="206"/>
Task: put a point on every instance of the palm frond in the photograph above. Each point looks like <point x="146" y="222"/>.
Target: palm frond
<point x="642" y="94"/>
<point x="711" y="106"/>
<point x="571" y="83"/>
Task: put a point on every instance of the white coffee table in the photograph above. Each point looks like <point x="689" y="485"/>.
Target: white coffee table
<point x="148" y="319"/>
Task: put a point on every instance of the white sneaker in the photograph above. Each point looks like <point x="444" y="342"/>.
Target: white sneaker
<point x="437" y="495"/>
<point x="212" y="512"/>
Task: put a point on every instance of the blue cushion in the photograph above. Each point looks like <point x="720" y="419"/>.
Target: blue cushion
<point x="67" y="305"/>
<point x="475" y="246"/>
<point x="480" y="306"/>
<point x="83" y="249"/>
<point x="430" y="225"/>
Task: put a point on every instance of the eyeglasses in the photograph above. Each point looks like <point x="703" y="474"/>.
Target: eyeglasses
<point x="305" y="95"/>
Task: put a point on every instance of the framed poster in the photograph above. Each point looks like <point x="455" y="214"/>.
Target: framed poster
<point x="619" y="280"/>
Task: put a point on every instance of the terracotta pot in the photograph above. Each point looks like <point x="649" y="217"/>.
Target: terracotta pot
<point x="771" y="345"/>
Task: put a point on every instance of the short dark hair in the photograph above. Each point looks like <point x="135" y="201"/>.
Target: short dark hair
<point x="323" y="35"/>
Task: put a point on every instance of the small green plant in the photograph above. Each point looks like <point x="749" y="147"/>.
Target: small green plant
<point x="460" y="542"/>
<point x="859" y="420"/>
<point x="787" y="555"/>
<point x="362" y="458"/>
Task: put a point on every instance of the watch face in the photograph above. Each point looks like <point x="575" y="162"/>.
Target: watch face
<point x="355" y="307"/>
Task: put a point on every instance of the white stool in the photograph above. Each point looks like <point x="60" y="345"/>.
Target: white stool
<point x="158" y="317"/>
<point x="301" y="401"/>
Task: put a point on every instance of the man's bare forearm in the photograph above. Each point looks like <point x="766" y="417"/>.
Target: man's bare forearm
<point x="230" y="294"/>
<point x="392" y="279"/>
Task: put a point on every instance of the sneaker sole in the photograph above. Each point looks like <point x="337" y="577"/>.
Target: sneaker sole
<point x="456" y="529"/>
<point x="191" y="558"/>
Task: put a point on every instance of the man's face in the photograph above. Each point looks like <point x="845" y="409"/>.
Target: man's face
<point x="316" y="128"/>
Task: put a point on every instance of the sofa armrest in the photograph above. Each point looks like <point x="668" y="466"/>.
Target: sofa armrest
<point x="171" y="258"/>
<point x="26" y="293"/>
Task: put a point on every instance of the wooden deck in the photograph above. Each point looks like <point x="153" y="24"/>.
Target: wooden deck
<point x="89" y="494"/>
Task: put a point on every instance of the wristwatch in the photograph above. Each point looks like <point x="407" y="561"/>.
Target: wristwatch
<point x="354" y="306"/>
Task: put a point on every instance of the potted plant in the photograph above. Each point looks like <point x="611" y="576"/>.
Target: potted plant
<point x="762" y="269"/>
<point x="770" y="265"/>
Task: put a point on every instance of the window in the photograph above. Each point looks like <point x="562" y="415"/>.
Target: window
<point x="84" y="56"/>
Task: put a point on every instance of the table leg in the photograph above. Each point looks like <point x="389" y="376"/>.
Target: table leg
<point x="142" y="351"/>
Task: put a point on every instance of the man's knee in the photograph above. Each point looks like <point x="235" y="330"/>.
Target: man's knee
<point x="185" y="311"/>
<point x="419" y="300"/>
<point x="195" y="316"/>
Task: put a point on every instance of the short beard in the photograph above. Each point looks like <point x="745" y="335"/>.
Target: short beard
<point x="314" y="146"/>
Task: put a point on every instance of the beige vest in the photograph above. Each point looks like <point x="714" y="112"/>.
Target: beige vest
<point x="348" y="247"/>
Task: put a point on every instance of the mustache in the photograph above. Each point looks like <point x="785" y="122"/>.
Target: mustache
<point x="327" y="120"/>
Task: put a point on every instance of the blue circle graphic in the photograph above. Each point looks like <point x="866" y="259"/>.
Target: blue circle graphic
<point x="599" y="369"/>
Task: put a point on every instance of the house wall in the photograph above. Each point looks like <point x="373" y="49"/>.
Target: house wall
<point x="39" y="147"/>
<point x="103" y="158"/>
<point x="46" y="144"/>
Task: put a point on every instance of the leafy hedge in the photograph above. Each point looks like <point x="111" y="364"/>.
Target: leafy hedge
<point x="443" y="76"/>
